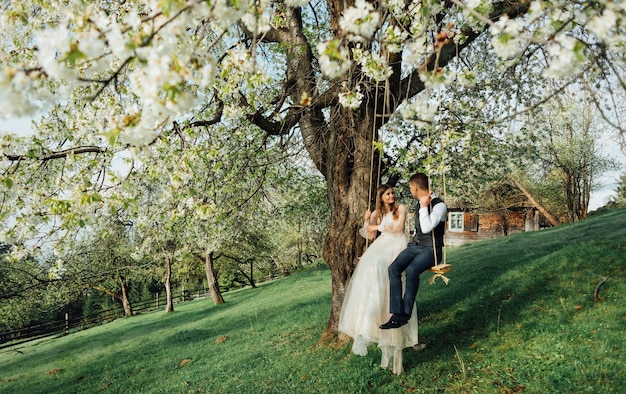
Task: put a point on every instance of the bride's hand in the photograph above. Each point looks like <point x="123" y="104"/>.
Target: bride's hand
<point x="368" y="214"/>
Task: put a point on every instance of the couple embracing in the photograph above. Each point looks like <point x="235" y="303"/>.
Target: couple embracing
<point x="379" y="302"/>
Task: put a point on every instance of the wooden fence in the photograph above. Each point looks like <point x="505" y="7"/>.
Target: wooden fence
<point x="70" y="323"/>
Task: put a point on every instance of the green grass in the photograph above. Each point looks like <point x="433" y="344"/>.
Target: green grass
<point x="517" y="316"/>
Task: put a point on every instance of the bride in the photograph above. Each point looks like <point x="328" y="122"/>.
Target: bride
<point x="366" y="302"/>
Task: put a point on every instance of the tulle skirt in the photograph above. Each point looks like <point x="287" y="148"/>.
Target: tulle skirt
<point x="366" y="302"/>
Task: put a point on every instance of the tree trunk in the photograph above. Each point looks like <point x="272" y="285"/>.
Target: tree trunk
<point x="348" y="176"/>
<point x="584" y="189"/>
<point x="300" y="242"/>
<point x="128" y="310"/>
<point x="504" y="222"/>
<point x="249" y="278"/>
<point x="214" y="289"/>
<point x="544" y="211"/>
<point x="169" y="306"/>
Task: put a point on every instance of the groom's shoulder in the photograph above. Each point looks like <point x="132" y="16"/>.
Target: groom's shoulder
<point x="438" y="200"/>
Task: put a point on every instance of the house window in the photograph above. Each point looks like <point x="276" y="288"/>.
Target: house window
<point x="456" y="221"/>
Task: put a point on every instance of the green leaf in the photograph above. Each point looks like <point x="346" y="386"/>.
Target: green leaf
<point x="74" y="55"/>
<point x="112" y="135"/>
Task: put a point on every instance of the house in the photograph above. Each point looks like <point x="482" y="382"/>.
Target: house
<point x="465" y="226"/>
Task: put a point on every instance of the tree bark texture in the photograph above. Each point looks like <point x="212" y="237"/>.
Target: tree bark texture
<point x="128" y="309"/>
<point x="214" y="289"/>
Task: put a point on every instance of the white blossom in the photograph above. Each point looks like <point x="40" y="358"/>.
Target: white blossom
<point x="233" y="113"/>
<point x="565" y="57"/>
<point x="373" y="65"/>
<point x="420" y="111"/>
<point x="361" y="21"/>
<point x="296" y="3"/>
<point x="562" y="14"/>
<point x="416" y="50"/>
<point x="138" y="136"/>
<point x="334" y="60"/>
<point x="395" y="38"/>
<point x="133" y="20"/>
<point x="52" y="43"/>
<point x="602" y="25"/>
<point x="90" y="44"/>
<point x="506" y="46"/>
<point x="505" y="37"/>
<point x="471" y="4"/>
<point x="257" y="20"/>
<point x="397" y="6"/>
<point x="18" y="253"/>
<point x="351" y="99"/>
<point x="207" y="73"/>
<point x="466" y="77"/>
<point x="118" y="43"/>
<point x="225" y="14"/>
<point x="534" y="11"/>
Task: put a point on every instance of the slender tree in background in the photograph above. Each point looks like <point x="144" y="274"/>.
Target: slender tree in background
<point x="101" y="261"/>
<point x="621" y="188"/>
<point x="571" y="150"/>
<point x="126" y="79"/>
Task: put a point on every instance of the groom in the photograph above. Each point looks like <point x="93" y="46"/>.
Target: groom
<point x="420" y="253"/>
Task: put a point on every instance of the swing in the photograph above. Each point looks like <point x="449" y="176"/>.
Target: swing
<point x="439" y="269"/>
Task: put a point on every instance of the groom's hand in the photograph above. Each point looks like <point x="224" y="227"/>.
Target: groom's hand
<point x="425" y="200"/>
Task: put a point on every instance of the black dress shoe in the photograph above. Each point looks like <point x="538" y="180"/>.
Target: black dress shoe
<point x="393" y="323"/>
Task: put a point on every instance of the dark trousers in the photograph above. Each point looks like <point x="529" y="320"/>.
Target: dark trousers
<point x="413" y="260"/>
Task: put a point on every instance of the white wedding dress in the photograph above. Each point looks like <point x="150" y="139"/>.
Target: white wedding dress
<point x="366" y="302"/>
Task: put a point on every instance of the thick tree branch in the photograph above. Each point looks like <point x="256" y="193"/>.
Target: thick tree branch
<point x="299" y="84"/>
<point x="544" y="211"/>
<point x="276" y="128"/>
<point x="59" y="154"/>
<point x="219" y="111"/>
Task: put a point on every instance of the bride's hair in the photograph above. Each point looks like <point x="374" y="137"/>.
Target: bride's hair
<point x="381" y="209"/>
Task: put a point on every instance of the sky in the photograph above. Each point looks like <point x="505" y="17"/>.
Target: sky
<point x="598" y="198"/>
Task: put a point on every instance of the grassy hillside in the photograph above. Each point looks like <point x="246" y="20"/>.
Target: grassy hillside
<point x="517" y="316"/>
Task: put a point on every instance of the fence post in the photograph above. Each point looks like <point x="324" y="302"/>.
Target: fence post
<point x="182" y="295"/>
<point x="157" y="300"/>
<point x="67" y="322"/>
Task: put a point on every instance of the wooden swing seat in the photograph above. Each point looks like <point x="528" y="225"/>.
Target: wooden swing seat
<point x="439" y="270"/>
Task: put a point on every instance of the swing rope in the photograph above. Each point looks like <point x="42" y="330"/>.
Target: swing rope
<point x="374" y="141"/>
<point x="438" y="269"/>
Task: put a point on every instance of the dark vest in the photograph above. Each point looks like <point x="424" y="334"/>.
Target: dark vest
<point x="427" y="239"/>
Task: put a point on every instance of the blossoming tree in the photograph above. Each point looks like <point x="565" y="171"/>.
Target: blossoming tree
<point x="131" y="76"/>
